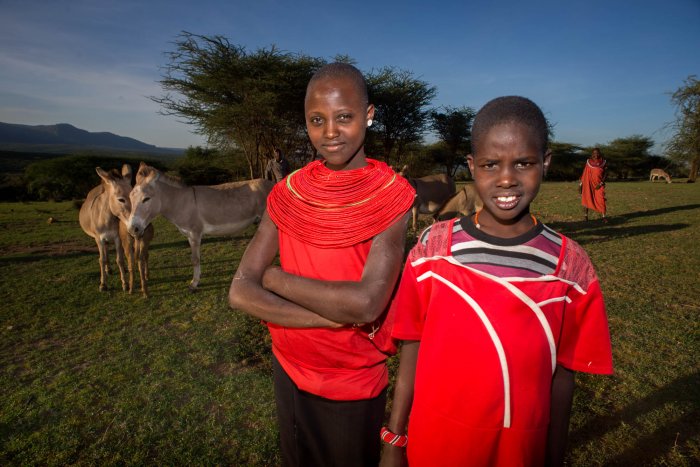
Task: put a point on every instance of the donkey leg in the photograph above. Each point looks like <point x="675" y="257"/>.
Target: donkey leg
<point x="102" y="261"/>
<point x="195" y="244"/>
<point x="145" y="263"/>
<point x="128" y="245"/>
<point x="120" y="263"/>
<point x="142" y="255"/>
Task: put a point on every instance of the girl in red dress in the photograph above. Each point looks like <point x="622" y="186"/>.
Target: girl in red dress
<point x="339" y="225"/>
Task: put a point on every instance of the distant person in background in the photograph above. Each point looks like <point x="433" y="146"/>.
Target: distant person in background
<point x="592" y="184"/>
<point x="277" y="167"/>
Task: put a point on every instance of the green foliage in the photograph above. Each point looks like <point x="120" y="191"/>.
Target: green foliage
<point x="206" y="166"/>
<point x="238" y="99"/>
<point x="567" y="161"/>
<point x="437" y="153"/>
<point x="12" y="162"/>
<point x="12" y="187"/>
<point x="253" y="101"/>
<point x="684" y="146"/>
<point x="70" y="177"/>
<point x="401" y="102"/>
<point x="627" y="156"/>
<point x="453" y="126"/>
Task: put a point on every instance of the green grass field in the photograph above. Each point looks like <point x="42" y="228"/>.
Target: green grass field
<point x="179" y="378"/>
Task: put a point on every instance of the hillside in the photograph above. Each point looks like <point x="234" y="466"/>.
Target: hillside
<point x="65" y="138"/>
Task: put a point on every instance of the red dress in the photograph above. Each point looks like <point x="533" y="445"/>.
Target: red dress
<point x="488" y="348"/>
<point x="338" y="364"/>
<point x="592" y="187"/>
<point x="326" y="222"/>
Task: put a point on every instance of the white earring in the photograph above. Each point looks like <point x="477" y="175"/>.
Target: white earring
<point x="369" y="122"/>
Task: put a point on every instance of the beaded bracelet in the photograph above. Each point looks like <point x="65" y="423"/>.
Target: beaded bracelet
<point x="387" y="436"/>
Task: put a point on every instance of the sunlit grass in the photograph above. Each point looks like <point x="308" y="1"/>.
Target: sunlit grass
<point x="179" y="378"/>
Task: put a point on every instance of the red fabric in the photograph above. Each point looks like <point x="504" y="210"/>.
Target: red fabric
<point x="592" y="190"/>
<point x="328" y="208"/>
<point x="324" y="233"/>
<point x="493" y="403"/>
<point x="339" y="364"/>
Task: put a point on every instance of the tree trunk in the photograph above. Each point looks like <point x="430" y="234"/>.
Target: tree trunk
<point x="694" y="169"/>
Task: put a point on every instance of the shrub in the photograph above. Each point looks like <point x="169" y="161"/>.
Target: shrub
<point x="70" y="177"/>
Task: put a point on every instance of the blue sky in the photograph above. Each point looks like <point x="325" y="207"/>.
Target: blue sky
<point x="600" y="69"/>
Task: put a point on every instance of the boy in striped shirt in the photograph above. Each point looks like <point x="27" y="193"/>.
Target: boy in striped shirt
<point x="496" y="312"/>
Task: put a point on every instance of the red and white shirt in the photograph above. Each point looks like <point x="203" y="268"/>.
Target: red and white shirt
<point x="491" y="333"/>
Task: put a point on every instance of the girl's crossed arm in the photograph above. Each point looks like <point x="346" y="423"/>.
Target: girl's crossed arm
<point x="357" y="302"/>
<point x="247" y="293"/>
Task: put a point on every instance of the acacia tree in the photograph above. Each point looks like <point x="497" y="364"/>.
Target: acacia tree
<point x="401" y="116"/>
<point x="568" y="161"/>
<point x="453" y="127"/>
<point x="684" y="145"/>
<point x="249" y="101"/>
<point x="627" y="156"/>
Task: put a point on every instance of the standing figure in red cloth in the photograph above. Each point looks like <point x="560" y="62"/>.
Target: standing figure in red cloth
<point x="339" y="225"/>
<point x="496" y="312"/>
<point x="592" y="184"/>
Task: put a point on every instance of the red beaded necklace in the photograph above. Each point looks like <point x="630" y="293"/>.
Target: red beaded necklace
<point x="332" y="209"/>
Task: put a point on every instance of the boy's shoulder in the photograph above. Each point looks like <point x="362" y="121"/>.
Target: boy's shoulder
<point x="576" y="265"/>
<point x="433" y="241"/>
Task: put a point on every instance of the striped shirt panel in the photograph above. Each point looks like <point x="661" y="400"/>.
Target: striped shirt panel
<point x="534" y="254"/>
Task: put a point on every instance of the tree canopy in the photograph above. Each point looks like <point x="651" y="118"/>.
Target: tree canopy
<point x="401" y="102"/>
<point x="684" y="145"/>
<point x="254" y="101"/>
<point x="248" y="103"/>
<point x="247" y="100"/>
<point x="453" y="127"/>
<point x="627" y="156"/>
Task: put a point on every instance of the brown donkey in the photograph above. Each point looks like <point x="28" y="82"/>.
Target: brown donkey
<point x="111" y="205"/>
<point x="432" y="191"/>
<point x="98" y="221"/>
<point x="196" y="210"/>
<point x="135" y="249"/>
<point x="463" y="203"/>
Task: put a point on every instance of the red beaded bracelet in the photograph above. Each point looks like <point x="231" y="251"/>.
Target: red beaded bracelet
<point x="387" y="436"/>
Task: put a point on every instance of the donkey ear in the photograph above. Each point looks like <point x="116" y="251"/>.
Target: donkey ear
<point x="126" y="170"/>
<point x="103" y="175"/>
<point x="143" y="173"/>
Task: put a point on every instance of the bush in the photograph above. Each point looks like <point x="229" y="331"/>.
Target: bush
<point x="70" y="177"/>
<point x="206" y="166"/>
<point x="12" y="188"/>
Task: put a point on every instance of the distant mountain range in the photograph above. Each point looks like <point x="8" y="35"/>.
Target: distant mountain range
<point x="63" y="138"/>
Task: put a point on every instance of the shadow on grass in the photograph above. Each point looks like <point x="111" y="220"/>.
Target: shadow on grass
<point x="220" y="285"/>
<point x="611" y="233"/>
<point x="650" y="448"/>
<point x="204" y="263"/>
<point x="615" y="227"/>
<point x="73" y="252"/>
<point x="206" y="240"/>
